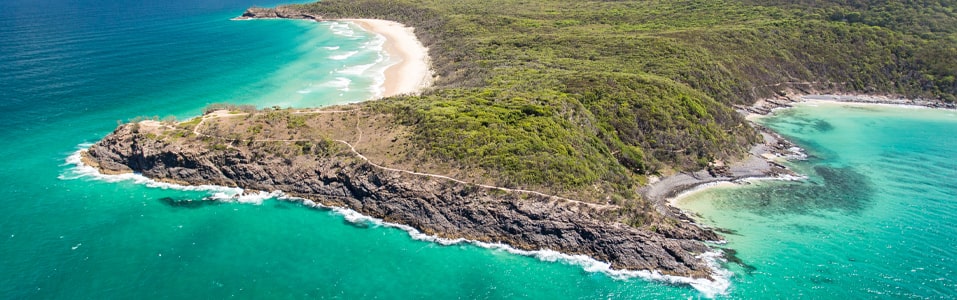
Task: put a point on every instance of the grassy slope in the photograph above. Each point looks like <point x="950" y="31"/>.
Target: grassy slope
<point x="588" y="97"/>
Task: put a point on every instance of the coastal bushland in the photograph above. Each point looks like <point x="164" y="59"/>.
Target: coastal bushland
<point x="596" y="95"/>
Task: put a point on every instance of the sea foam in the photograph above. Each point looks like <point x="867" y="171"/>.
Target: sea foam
<point x="383" y="62"/>
<point x="343" y="56"/>
<point x="81" y="170"/>
<point x="357" y="69"/>
<point x="708" y="288"/>
<point x="339" y="83"/>
<point x="341" y="29"/>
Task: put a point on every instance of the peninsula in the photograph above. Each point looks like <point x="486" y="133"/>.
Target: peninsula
<point x="560" y="125"/>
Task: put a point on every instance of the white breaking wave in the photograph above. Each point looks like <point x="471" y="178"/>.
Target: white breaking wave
<point x="378" y="87"/>
<point x="341" y="29"/>
<point x="339" y="83"/>
<point x="796" y="154"/>
<point x="709" y="288"/>
<point x="343" y="56"/>
<point x="356" y="70"/>
<point x="382" y="62"/>
<point x="375" y="70"/>
<point x="376" y="43"/>
<point x="331" y="48"/>
<point x="81" y="170"/>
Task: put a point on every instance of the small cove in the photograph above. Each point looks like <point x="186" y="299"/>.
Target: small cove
<point x="872" y="219"/>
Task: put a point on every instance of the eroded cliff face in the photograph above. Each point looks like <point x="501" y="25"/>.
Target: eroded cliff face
<point x="328" y="173"/>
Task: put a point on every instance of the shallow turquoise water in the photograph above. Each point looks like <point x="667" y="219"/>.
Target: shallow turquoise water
<point x="875" y="219"/>
<point x="71" y="69"/>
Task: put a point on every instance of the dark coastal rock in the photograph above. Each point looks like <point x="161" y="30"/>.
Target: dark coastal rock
<point x="719" y="171"/>
<point x="434" y="206"/>
<point x="282" y="12"/>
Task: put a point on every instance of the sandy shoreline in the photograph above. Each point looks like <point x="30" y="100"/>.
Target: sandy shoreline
<point x="766" y="106"/>
<point x="764" y="160"/>
<point x="410" y="69"/>
<point x="410" y="72"/>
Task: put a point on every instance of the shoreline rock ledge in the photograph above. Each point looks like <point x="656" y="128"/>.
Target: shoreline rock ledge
<point x="281" y="12"/>
<point x="330" y="174"/>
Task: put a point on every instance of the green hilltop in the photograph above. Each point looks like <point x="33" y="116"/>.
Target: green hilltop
<point x="572" y="96"/>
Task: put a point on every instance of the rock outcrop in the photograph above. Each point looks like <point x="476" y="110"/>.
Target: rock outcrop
<point x="328" y="173"/>
<point x="282" y="12"/>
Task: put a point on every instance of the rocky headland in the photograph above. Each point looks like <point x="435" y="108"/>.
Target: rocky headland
<point x="317" y="161"/>
<point x="282" y="12"/>
<point x="330" y="173"/>
<point x="328" y="170"/>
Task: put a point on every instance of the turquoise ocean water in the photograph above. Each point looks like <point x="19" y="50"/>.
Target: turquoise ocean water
<point x="876" y="218"/>
<point x="70" y="69"/>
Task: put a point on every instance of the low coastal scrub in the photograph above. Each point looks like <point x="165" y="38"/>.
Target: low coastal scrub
<point x="543" y="106"/>
<point x="564" y="94"/>
<point x="246" y="108"/>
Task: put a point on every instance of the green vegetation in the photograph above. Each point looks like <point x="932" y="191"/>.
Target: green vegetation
<point x="230" y="107"/>
<point x="564" y="94"/>
<point x="190" y="124"/>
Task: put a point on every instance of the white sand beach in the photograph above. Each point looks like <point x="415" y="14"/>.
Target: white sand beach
<point x="411" y="72"/>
